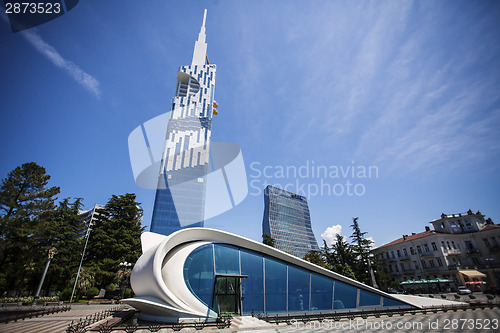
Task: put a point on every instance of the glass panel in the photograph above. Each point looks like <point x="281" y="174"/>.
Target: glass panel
<point x="226" y="259"/>
<point x="298" y="289"/>
<point x="321" y="292"/>
<point x="252" y="287"/>
<point x="344" y="296"/>
<point x="199" y="273"/>
<point x="392" y="302"/>
<point x="275" y="285"/>
<point x="227" y="295"/>
<point x="367" y="298"/>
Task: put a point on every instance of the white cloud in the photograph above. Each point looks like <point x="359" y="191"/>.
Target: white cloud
<point x="330" y="234"/>
<point x="86" y="80"/>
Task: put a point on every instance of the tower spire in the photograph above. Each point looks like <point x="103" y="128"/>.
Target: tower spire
<point x="200" y="46"/>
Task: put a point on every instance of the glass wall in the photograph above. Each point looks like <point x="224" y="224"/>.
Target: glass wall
<point x="344" y="296"/>
<point x="272" y="285"/>
<point x="252" y="288"/>
<point x="199" y="273"/>
<point x="275" y="287"/>
<point x="298" y="289"/>
<point x="321" y="292"/>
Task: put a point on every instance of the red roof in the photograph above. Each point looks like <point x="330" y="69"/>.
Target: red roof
<point x="491" y="226"/>
<point x="407" y="238"/>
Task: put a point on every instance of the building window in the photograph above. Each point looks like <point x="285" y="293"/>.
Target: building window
<point x="434" y="247"/>
<point x="486" y="242"/>
<point x="443" y="246"/>
<point x="440" y="262"/>
<point x="415" y="264"/>
<point x="494" y="242"/>
<point x="453" y="245"/>
<point x="399" y="253"/>
<point x="475" y="261"/>
<point x="390" y="268"/>
<point x="426" y="248"/>
<point x="412" y="250"/>
<point x="424" y="265"/>
<point x="405" y="252"/>
<point x="431" y="263"/>
<point x="419" y="249"/>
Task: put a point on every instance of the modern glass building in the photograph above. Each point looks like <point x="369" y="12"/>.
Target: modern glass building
<point x="287" y="220"/>
<point x="197" y="274"/>
<point x="180" y="194"/>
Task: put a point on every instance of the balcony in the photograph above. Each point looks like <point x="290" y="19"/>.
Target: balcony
<point x="454" y="252"/>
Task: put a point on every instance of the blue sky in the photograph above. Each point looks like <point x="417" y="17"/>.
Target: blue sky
<point x="410" y="89"/>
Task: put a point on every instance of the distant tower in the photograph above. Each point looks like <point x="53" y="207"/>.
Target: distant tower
<point x="180" y="194"/>
<point x="287" y="220"/>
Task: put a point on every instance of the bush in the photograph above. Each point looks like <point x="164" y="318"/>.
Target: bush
<point x="128" y="293"/>
<point x="111" y="287"/>
<point x="65" y="295"/>
<point x="92" y="292"/>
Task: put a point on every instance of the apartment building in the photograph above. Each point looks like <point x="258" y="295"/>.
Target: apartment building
<point x="463" y="248"/>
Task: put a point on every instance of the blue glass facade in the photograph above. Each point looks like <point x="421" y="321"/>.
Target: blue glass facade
<point x="272" y="285"/>
<point x="287" y="220"/>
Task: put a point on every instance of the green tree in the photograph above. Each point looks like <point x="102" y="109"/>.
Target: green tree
<point x="26" y="204"/>
<point x="340" y="257"/>
<point x="115" y="237"/>
<point x="63" y="231"/>
<point x="268" y="240"/>
<point x="86" y="280"/>
<point x="362" y="252"/>
<point x="316" y="258"/>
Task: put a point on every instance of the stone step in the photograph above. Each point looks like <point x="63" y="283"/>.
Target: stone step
<point x="245" y="322"/>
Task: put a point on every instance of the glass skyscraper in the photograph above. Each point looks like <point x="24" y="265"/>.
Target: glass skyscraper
<point x="287" y="220"/>
<point x="180" y="194"/>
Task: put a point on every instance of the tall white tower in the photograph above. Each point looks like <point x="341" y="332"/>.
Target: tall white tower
<point x="180" y="195"/>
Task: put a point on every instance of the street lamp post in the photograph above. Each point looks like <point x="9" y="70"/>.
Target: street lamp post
<point x="491" y="276"/>
<point x="125" y="266"/>
<point x="51" y="253"/>
<point x="372" y="274"/>
<point x="87" y="236"/>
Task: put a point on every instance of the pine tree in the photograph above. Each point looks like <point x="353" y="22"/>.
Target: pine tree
<point x="115" y="237"/>
<point x="268" y="240"/>
<point x="342" y="257"/>
<point x="362" y="252"/>
<point x="26" y="204"/>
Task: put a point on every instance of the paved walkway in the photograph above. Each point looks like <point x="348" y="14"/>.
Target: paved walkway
<point x="485" y="320"/>
<point x="56" y="322"/>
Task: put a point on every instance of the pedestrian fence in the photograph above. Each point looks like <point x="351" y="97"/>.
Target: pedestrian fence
<point x="25" y="312"/>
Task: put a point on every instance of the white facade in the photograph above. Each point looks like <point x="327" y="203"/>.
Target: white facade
<point x="160" y="281"/>
<point x="462" y="247"/>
